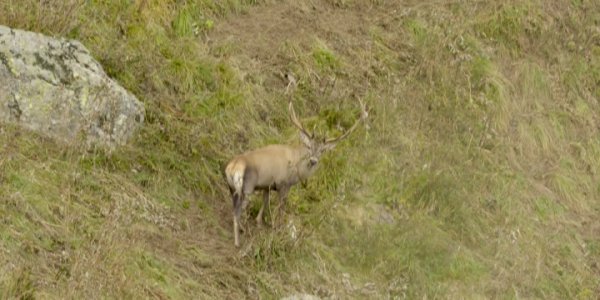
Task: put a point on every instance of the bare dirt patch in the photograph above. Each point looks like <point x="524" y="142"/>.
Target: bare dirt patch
<point x="264" y="29"/>
<point x="257" y="39"/>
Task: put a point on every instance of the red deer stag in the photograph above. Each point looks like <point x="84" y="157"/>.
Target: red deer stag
<point x="276" y="167"/>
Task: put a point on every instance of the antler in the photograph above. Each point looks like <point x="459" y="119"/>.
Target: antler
<point x="296" y="122"/>
<point x="293" y="118"/>
<point x="363" y="116"/>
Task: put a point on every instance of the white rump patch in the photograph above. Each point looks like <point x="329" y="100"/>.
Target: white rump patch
<point x="238" y="180"/>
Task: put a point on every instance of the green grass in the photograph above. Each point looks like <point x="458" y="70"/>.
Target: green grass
<point x="476" y="177"/>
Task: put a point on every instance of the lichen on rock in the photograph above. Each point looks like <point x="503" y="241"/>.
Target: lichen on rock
<point x="55" y="87"/>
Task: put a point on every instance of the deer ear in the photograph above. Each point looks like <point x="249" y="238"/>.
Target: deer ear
<point x="329" y="146"/>
<point x="305" y="139"/>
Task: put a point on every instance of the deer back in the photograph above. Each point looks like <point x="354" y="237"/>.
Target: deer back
<point x="275" y="165"/>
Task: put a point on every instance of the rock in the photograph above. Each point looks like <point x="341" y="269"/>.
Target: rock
<point x="55" y="87"/>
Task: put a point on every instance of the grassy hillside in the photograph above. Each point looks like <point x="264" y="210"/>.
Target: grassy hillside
<point x="475" y="177"/>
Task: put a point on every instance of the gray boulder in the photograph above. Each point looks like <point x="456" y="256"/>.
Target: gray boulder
<point x="55" y="87"/>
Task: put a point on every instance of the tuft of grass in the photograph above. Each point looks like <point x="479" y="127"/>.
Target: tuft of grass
<point x="324" y="58"/>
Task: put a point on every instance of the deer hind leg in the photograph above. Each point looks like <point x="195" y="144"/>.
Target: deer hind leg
<point x="259" y="217"/>
<point x="250" y="177"/>
<point x="237" y="211"/>
<point x="242" y="209"/>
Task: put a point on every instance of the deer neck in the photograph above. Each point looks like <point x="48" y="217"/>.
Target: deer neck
<point x="302" y="168"/>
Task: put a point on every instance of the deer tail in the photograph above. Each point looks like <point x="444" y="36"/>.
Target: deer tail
<point x="235" y="176"/>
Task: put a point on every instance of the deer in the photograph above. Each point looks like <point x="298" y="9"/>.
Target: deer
<point x="277" y="167"/>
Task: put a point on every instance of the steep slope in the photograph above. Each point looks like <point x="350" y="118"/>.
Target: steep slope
<point x="475" y="177"/>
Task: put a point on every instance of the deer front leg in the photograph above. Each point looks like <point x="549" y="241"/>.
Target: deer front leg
<point x="283" y="194"/>
<point x="259" y="217"/>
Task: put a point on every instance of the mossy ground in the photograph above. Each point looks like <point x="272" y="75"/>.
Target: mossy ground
<point x="476" y="176"/>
